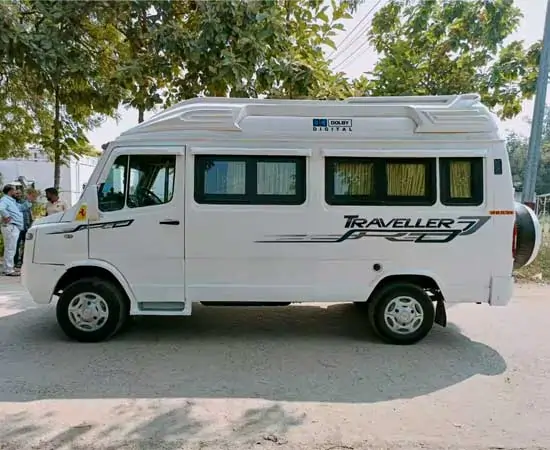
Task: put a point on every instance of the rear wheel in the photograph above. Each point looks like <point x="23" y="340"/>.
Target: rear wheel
<point x="91" y="310"/>
<point x="401" y="313"/>
<point x="527" y="236"/>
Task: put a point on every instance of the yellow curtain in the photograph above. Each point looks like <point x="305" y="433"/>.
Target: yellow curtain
<point x="406" y="180"/>
<point x="353" y="179"/>
<point x="460" y="174"/>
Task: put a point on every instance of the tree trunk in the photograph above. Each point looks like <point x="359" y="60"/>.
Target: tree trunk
<point x="143" y="21"/>
<point x="56" y="142"/>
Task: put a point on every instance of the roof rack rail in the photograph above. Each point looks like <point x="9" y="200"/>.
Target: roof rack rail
<point x="452" y="101"/>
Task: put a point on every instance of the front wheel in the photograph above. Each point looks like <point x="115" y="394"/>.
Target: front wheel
<point x="402" y="314"/>
<point x="91" y="310"/>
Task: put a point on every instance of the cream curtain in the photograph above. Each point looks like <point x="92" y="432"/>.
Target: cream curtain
<point x="276" y="178"/>
<point x="226" y="177"/>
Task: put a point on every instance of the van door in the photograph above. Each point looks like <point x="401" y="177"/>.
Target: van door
<point x="141" y="227"/>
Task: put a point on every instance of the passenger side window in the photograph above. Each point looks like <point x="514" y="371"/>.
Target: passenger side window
<point x="138" y="181"/>
<point x="380" y="181"/>
<point x="461" y="181"/>
<point x="265" y="180"/>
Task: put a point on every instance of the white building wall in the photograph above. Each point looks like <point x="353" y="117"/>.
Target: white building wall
<point x="40" y="169"/>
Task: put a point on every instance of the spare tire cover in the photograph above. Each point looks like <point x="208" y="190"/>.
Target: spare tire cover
<point x="528" y="235"/>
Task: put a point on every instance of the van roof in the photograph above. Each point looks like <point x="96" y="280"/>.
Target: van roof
<point x="462" y="113"/>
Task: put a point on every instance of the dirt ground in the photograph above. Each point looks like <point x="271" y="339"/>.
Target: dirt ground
<point x="302" y="377"/>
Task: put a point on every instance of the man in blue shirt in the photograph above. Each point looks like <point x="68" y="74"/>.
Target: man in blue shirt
<point x="12" y="225"/>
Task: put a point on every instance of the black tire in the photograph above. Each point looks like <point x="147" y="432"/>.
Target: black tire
<point x="115" y="299"/>
<point x="362" y="306"/>
<point x="381" y="300"/>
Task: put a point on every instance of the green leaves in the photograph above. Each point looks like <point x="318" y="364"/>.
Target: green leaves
<point x="58" y="62"/>
<point x="431" y="47"/>
<point x="67" y="65"/>
<point x="517" y="150"/>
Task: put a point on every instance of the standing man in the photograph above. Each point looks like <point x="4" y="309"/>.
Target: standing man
<point x="12" y="225"/>
<point x="55" y="204"/>
<point x="26" y="208"/>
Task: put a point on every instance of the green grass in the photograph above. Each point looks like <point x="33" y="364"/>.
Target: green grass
<point x="539" y="269"/>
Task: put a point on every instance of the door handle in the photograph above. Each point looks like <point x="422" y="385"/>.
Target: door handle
<point x="169" y="222"/>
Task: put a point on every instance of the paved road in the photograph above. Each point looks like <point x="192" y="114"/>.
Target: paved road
<point x="302" y="377"/>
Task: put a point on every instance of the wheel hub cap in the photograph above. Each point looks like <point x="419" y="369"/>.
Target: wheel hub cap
<point x="88" y="311"/>
<point x="403" y="315"/>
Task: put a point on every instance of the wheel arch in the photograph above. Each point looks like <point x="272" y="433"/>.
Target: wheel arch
<point x="425" y="280"/>
<point x="94" y="268"/>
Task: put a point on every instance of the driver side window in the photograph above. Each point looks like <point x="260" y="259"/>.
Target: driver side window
<point x="137" y="181"/>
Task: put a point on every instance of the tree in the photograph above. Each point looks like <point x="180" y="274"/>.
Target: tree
<point x="63" y="54"/>
<point x="172" y="51"/>
<point x="153" y="49"/>
<point x="249" y="49"/>
<point x="17" y="105"/>
<point x="517" y="146"/>
<point x="430" y="47"/>
<point x="298" y="68"/>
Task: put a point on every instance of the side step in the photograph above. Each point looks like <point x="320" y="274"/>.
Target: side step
<point x="161" y="306"/>
<point x="245" y="303"/>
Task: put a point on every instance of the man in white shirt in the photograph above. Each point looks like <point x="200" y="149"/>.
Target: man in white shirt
<point x="55" y="204"/>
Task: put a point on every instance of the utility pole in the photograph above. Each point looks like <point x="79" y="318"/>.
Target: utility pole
<point x="533" y="154"/>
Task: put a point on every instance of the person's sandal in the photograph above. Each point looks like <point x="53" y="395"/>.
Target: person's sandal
<point x="13" y="274"/>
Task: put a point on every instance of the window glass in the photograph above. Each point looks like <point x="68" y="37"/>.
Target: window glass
<point x="111" y="193"/>
<point x="380" y="181"/>
<point x="163" y="186"/>
<point x="461" y="181"/>
<point x="353" y="178"/>
<point x="253" y="180"/>
<point x="150" y="182"/>
<point x="276" y="178"/>
<point x="406" y="179"/>
<point x="225" y="177"/>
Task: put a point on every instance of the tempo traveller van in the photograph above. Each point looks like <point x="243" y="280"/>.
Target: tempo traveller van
<point x="401" y="205"/>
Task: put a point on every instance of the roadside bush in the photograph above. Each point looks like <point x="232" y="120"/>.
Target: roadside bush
<point x="539" y="269"/>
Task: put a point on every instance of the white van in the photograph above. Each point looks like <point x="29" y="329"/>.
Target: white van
<point x="398" y="204"/>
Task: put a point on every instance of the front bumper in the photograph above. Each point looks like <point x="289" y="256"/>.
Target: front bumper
<point x="40" y="280"/>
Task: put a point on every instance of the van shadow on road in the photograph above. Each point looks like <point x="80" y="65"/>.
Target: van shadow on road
<point x="296" y="353"/>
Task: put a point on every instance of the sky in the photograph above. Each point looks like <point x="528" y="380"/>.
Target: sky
<point x="355" y="57"/>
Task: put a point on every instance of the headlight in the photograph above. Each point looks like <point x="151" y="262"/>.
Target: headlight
<point x="29" y="236"/>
